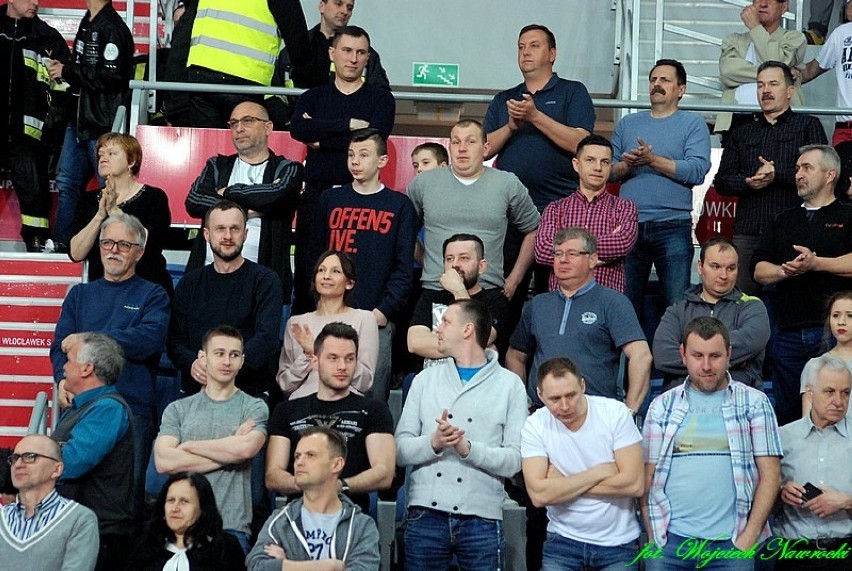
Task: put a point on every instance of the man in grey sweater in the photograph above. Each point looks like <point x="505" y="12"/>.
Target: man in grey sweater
<point x="41" y="529"/>
<point x="461" y="431"/>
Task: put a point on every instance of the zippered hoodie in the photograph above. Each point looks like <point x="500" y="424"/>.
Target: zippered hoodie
<point x="355" y="541"/>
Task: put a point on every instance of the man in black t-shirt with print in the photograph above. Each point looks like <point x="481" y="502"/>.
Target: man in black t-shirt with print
<point x="366" y="423"/>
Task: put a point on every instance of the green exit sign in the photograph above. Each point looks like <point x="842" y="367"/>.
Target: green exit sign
<point x="444" y="74"/>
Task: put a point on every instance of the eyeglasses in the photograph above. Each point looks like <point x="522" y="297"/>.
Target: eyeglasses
<point x="247" y="122"/>
<point x="123" y="245"/>
<point x="28" y="458"/>
<point x="573" y="254"/>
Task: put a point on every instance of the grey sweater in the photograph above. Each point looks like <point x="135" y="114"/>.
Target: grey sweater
<point x="492" y="409"/>
<point x="69" y="542"/>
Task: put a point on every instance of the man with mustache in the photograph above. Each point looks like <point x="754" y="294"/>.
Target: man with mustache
<point x="659" y="156"/>
<point x="806" y="253"/>
<point x="822" y="519"/>
<point x="464" y="262"/>
<point x="232" y="291"/>
<point x="758" y="163"/>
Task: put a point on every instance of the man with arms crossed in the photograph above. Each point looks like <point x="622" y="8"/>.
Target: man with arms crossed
<point x="217" y="432"/>
<point x="710" y="434"/>
<point x="582" y="458"/>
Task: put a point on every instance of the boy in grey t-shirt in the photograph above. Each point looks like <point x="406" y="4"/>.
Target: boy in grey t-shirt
<point x="217" y="431"/>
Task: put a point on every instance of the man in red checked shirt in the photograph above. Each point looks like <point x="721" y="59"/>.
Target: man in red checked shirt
<point x="613" y="221"/>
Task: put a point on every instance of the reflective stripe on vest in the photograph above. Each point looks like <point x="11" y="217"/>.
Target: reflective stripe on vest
<point x="34" y="221"/>
<point x="216" y="29"/>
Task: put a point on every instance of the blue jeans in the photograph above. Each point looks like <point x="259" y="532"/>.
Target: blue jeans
<point x="565" y="554"/>
<point x="668" y="247"/>
<point x="143" y="439"/>
<point x="433" y="537"/>
<point x="77" y="163"/>
<point x="791" y="349"/>
<point x="689" y="553"/>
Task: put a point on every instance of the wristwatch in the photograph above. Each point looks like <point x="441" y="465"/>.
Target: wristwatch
<point x="344" y="487"/>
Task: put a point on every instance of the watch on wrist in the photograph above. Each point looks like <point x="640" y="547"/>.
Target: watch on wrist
<point x="344" y="487"/>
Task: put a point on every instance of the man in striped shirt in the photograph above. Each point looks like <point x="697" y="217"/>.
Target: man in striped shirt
<point x="42" y="529"/>
<point x="712" y="462"/>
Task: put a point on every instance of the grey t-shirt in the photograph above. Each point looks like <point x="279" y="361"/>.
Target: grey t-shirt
<point x="319" y="533"/>
<point x="198" y="417"/>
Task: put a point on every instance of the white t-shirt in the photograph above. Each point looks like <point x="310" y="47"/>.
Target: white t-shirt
<point x="609" y="426"/>
<point x="836" y="54"/>
<point x="746" y="93"/>
<point x="245" y="173"/>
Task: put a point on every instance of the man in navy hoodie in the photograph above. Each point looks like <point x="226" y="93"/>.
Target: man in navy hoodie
<point x="376" y="226"/>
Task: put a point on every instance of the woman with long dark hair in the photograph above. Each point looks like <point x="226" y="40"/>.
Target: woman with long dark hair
<point x="185" y="531"/>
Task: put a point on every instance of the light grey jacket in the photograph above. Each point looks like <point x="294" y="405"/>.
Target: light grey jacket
<point x="491" y="408"/>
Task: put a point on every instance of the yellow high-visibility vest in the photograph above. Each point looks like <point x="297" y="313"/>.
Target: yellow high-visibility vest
<point x="237" y="38"/>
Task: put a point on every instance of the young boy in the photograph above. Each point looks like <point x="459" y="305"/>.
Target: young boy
<point x="376" y="226"/>
<point x="428" y="156"/>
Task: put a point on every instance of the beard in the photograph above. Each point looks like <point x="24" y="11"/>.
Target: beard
<point x="227" y="256"/>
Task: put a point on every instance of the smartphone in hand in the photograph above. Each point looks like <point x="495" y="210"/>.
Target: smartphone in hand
<point x="811" y="492"/>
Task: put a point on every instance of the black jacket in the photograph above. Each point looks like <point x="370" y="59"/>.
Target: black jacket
<point x="25" y="89"/>
<point x="100" y="68"/>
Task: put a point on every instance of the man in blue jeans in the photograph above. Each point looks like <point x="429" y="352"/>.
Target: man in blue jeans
<point x="461" y="431"/>
<point x="582" y="458"/>
<point x="97" y="74"/>
<point x="659" y="155"/>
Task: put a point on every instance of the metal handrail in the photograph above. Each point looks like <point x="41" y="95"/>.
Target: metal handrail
<point x="38" y="418"/>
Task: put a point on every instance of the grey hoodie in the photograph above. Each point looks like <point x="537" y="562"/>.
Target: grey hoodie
<point x="355" y="541"/>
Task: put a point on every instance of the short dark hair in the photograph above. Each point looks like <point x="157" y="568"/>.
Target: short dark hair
<point x="370" y="134"/>
<point x="480" y="247"/>
<point x="551" y="39"/>
<point x="336" y="441"/>
<point x="338" y="330"/>
<point x="478" y="314"/>
<point x="559" y="367"/>
<point x="105" y="355"/>
<point x="785" y="69"/>
<point x="224" y="205"/>
<point x="723" y="243"/>
<point x="351" y="31"/>
<point x="483" y="136"/>
<point x="680" y="71"/>
<point x="347" y="264"/>
<point x="222" y="330"/>
<point x="596" y="140"/>
<point x="706" y="327"/>
<point x="437" y="149"/>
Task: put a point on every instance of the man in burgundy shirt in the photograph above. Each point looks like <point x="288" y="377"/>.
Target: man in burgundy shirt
<point x="611" y="220"/>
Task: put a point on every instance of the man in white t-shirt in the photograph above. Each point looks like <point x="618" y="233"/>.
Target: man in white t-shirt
<point x="582" y="458"/>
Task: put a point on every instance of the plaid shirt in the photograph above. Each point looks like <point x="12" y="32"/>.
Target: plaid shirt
<point x="613" y="222"/>
<point x="752" y="431"/>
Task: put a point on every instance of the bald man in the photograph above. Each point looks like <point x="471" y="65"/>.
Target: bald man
<point x="266" y="185"/>
<point x="41" y="529"/>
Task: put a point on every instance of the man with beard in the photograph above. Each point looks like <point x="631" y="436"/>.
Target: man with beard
<point x="265" y="184"/>
<point x="232" y="291"/>
<point x="807" y="255"/>
<point x="659" y="156"/>
<point x="758" y="163"/>
<point x="132" y="311"/>
<point x="365" y="423"/>
<point x="464" y="262"/>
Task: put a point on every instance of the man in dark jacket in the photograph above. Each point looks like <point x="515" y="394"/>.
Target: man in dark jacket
<point x="718" y="296"/>
<point x="97" y="74"/>
<point x="26" y="42"/>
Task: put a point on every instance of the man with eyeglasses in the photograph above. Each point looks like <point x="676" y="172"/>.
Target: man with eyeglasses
<point x="613" y="221"/>
<point x="97" y="438"/>
<point x="266" y="185"/>
<point x="131" y="310"/>
<point x="40" y="525"/>
<point x="585" y="322"/>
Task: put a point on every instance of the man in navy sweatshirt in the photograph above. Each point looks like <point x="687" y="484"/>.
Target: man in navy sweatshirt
<point x="131" y="310"/>
<point x="376" y="226"/>
<point x="324" y="119"/>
